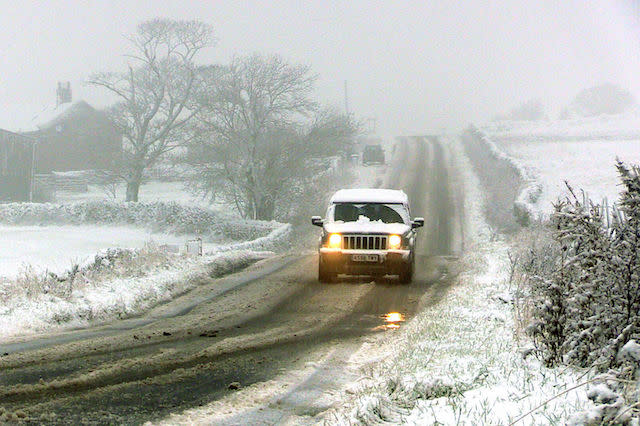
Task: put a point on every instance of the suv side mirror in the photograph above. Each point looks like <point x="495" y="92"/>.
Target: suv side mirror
<point x="317" y="221"/>
<point x="417" y="222"/>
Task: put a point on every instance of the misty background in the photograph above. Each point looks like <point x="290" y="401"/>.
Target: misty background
<point x="415" y="66"/>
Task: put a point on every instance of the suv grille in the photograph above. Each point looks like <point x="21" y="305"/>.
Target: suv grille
<point x="364" y="242"/>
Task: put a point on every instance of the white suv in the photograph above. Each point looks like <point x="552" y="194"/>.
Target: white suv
<point x="367" y="232"/>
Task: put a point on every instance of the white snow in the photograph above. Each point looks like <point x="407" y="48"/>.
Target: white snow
<point x="601" y="394"/>
<point x="370" y="195"/>
<point x="532" y="189"/>
<point x="630" y="351"/>
<point x="28" y="253"/>
<point x="57" y="248"/>
<point x="114" y="298"/>
<point x="475" y="227"/>
<point x="149" y="192"/>
<point x="622" y="126"/>
<point x="375" y="227"/>
<point x="587" y="165"/>
<point x="581" y="151"/>
<point x="277" y="238"/>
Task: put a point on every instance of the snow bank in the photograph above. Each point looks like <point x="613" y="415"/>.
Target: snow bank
<point x="277" y="239"/>
<point x="113" y="297"/>
<point x="511" y="190"/>
<point x="622" y="126"/>
<point x="587" y="165"/>
<point x="158" y="216"/>
<point x="34" y="299"/>
<point x="532" y="189"/>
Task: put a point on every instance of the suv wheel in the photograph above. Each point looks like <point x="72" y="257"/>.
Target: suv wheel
<point x="406" y="275"/>
<point x="325" y="276"/>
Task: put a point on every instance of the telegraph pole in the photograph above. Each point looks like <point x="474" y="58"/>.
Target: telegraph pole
<point x="346" y="99"/>
<point x="32" y="183"/>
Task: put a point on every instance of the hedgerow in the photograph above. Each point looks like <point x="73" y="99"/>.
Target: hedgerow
<point x="584" y="299"/>
<point x="167" y="217"/>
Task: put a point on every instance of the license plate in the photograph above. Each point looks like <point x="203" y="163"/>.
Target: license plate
<point x="364" y="257"/>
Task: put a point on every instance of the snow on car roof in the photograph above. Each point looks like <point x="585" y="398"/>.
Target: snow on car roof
<point x="370" y="195"/>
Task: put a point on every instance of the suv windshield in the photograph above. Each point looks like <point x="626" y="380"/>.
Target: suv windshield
<point x="386" y="213"/>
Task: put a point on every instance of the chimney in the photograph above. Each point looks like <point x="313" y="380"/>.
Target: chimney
<point x="63" y="94"/>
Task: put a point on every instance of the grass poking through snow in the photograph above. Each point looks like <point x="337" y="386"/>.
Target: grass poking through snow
<point x="460" y="363"/>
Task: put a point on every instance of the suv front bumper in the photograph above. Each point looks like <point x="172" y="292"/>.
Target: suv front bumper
<point x="389" y="262"/>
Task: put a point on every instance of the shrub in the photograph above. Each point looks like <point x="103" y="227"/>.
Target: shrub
<point x="586" y="301"/>
<point x="158" y="216"/>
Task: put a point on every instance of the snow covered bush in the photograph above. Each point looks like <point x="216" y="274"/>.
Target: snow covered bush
<point x="168" y="217"/>
<point x="116" y="284"/>
<point x="106" y="265"/>
<point x="588" y="304"/>
<point x="585" y="296"/>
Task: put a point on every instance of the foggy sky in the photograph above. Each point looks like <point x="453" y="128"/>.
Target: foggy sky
<point x="416" y="66"/>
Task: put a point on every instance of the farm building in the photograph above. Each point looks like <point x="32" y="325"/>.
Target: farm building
<point x="16" y="152"/>
<point x="70" y="136"/>
<point x="74" y="136"/>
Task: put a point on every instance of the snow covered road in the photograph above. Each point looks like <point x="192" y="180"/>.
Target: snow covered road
<point x="272" y="321"/>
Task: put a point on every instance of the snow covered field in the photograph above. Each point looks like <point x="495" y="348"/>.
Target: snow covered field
<point x="126" y="285"/>
<point x="108" y="263"/>
<point x="58" y="248"/>
<point x="149" y="192"/>
<point x="121" y="290"/>
<point x="586" y="164"/>
<point x="622" y="126"/>
<point x="581" y="151"/>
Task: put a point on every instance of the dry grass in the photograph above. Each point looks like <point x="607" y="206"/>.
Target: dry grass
<point x="111" y="264"/>
<point x="532" y="252"/>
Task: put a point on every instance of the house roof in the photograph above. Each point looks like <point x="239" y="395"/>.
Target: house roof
<point x="7" y="136"/>
<point x="45" y="118"/>
<point x="49" y="117"/>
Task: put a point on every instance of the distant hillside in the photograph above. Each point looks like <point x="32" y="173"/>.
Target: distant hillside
<point x="606" y="99"/>
<point x="531" y="110"/>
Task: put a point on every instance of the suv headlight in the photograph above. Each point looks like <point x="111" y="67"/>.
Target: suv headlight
<point x="335" y="240"/>
<point x="395" y="241"/>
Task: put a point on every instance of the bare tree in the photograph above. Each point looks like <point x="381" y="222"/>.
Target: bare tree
<point x="263" y="134"/>
<point x="155" y="95"/>
<point x="246" y="103"/>
<point x="108" y="181"/>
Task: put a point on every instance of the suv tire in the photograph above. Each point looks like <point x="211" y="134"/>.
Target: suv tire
<point x="325" y="276"/>
<point x="406" y="275"/>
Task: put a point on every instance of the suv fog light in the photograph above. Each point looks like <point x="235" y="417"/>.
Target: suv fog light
<point x="335" y="240"/>
<point x="395" y="241"/>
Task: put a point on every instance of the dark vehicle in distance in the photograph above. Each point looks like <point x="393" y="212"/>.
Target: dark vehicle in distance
<point x="372" y="154"/>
